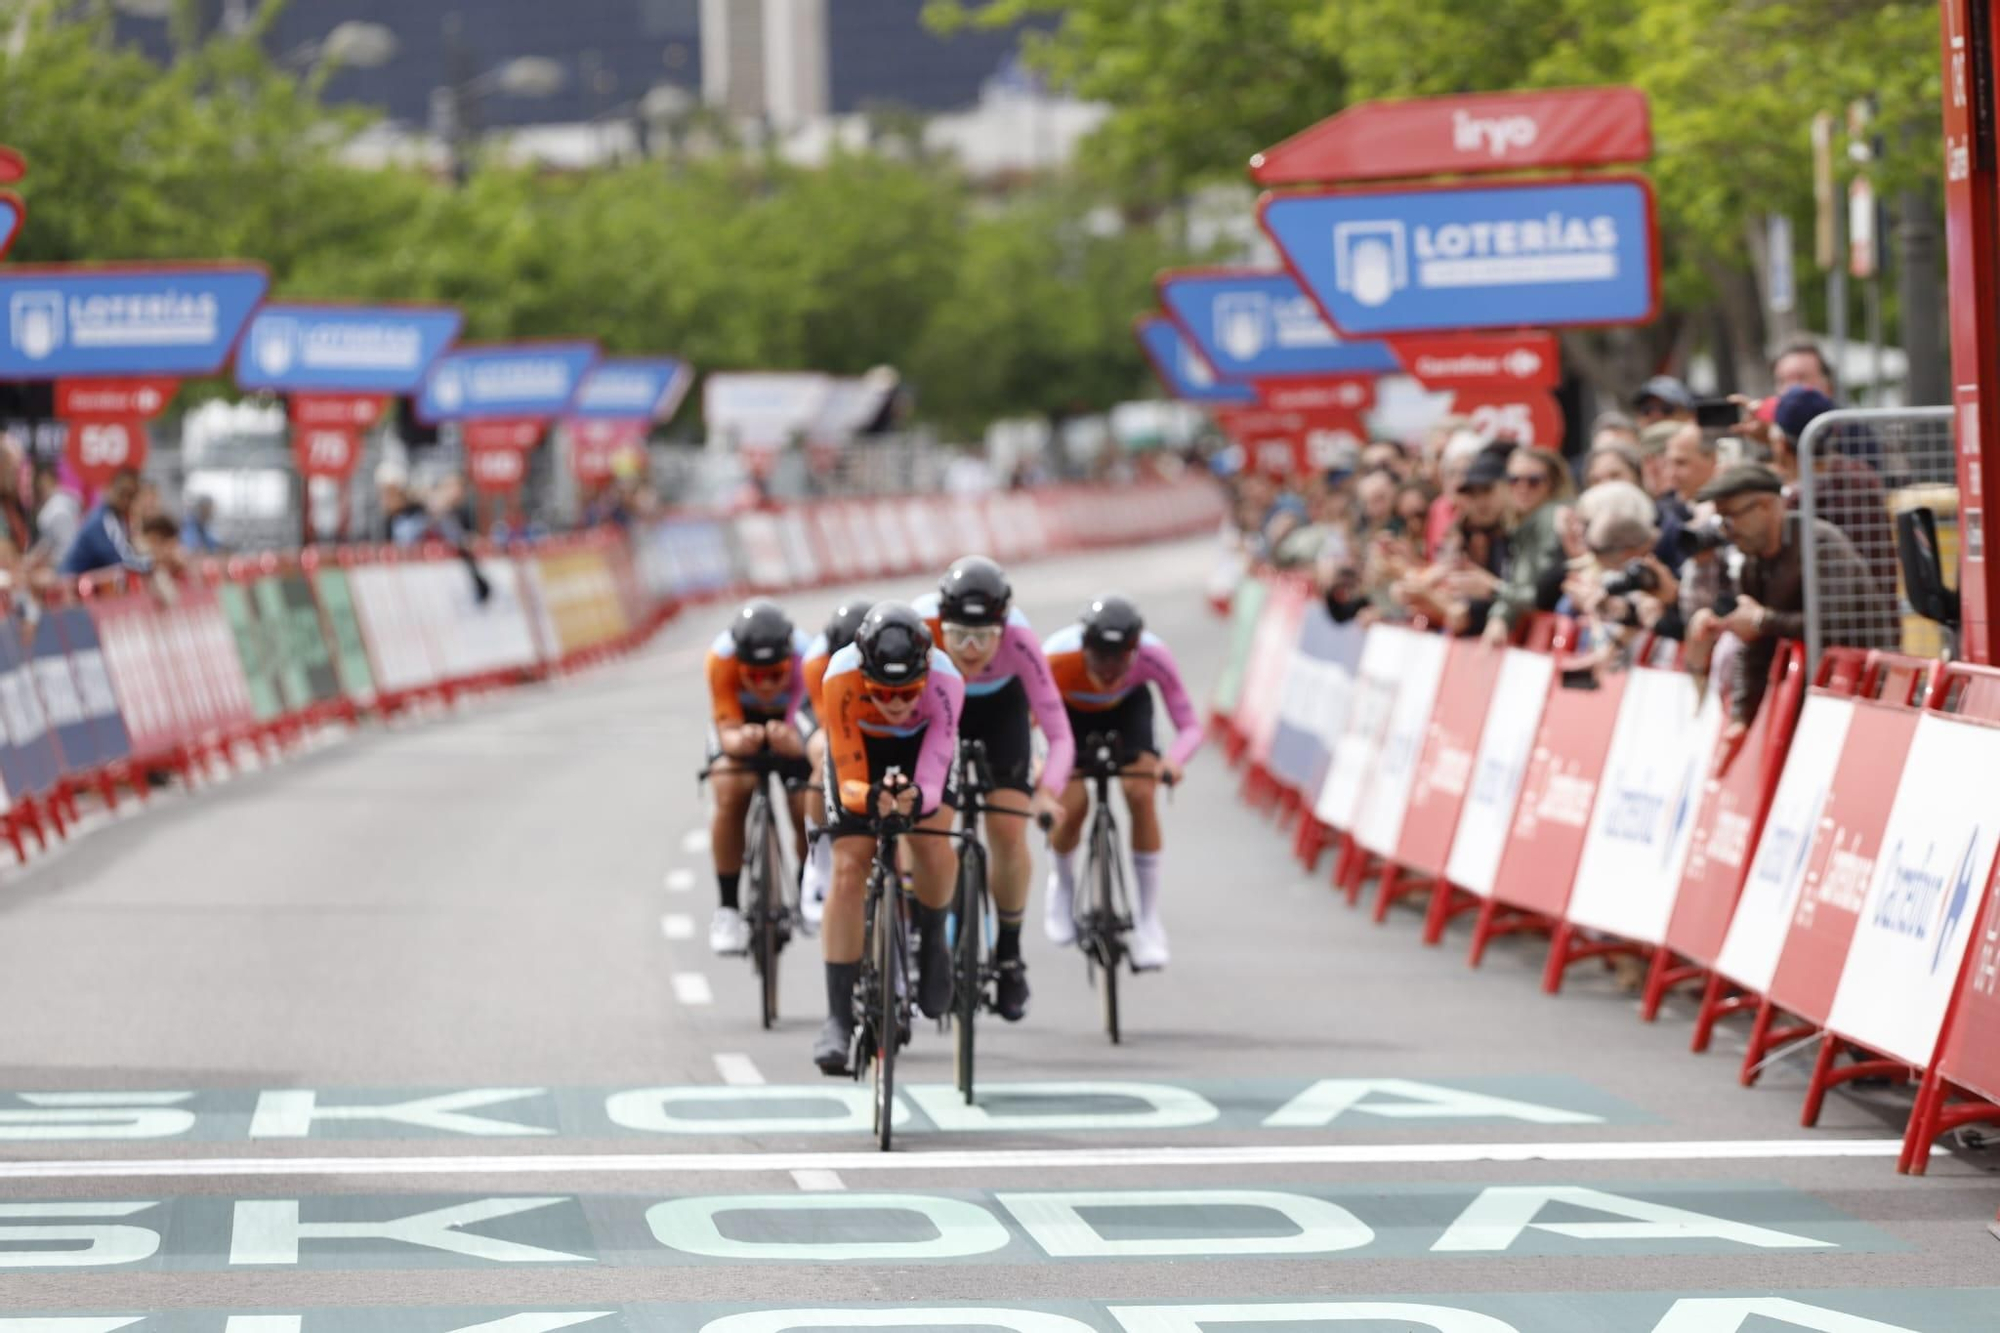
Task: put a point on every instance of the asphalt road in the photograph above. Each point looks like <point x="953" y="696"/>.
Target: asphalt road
<point x="420" y="1032"/>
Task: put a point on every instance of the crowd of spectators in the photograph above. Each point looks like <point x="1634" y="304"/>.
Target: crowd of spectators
<point x="1662" y="536"/>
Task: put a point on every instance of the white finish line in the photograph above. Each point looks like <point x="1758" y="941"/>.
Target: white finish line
<point x="999" y="1159"/>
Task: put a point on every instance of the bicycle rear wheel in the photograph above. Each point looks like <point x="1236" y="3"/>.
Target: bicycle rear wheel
<point x="887" y="1018"/>
<point x="1104" y="908"/>
<point x="760" y="865"/>
<point x="968" y="983"/>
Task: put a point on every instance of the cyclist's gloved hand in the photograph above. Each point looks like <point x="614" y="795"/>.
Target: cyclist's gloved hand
<point x="1171" y="772"/>
<point x="1045" y="806"/>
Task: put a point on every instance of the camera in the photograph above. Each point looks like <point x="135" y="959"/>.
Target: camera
<point x="1700" y="538"/>
<point x="1636" y="576"/>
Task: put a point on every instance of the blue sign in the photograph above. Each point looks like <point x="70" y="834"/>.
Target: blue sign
<point x="11" y="215"/>
<point x="633" y="388"/>
<point x="124" y="321"/>
<point x="1182" y="370"/>
<point x="1578" y="252"/>
<point x="1252" y="325"/>
<point x="344" y="349"/>
<point x="506" y="380"/>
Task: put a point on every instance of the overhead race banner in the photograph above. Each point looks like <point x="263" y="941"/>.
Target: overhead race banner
<point x="359" y="349"/>
<point x="506" y="380"/>
<point x="1256" y="323"/>
<point x="124" y="399"/>
<point x="1318" y="393"/>
<point x="179" y="320"/>
<point x="12" y="214"/>
<point x="1437" y="136"/>
<point x="1181" y="368"/>
<point x="1496" y="362"/>
<point x="763" y="410"/>
<point x="634" y="388"/>
<point x="1473" y="256"/>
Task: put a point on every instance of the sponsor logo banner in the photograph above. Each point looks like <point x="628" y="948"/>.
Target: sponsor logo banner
<point x="634" y="388"/>
<point x="1506" y="742"/>
<point x="362" y="349"/>
<point x="169" y="321"/>
<point x="505" y="380"/>
<point x="1251" y="324"/>
<point x="1181" y="369"/>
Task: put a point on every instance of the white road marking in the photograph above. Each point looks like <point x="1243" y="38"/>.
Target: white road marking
<point x="995" y="1159"/>
<point x="692" y="988"/>
<point x="695" y="842"/>
<point x="677" y="926"/>
<point x="680" y="881"/>
<point x="738" y="1070"/>
<point x="818" y="1179"/>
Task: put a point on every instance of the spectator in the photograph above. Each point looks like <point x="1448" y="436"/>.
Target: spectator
<point x="1469" y="579"/>
<point x="1619" y="589"/>
<point x="1457" y="456"/>
<point x="404" y="518"/>
<point x="1764" y="601"/>
<point x="1613" y="428"/>
<point x="1802" y="364"/>
<point x="103" y="538"/>
<point x="1413" y="507"/>
<point x="197" y="532"/>
<point x="1538" y="484"/>
<point x="17" y="521"/>
<point x="1662" y="398"/>
<point x="1846" y="491"/>
<point x="1375" y="493"/>
<point x="160" y="540"/>
<point x="1388" y="456"/>
<point x="1613" y="460"/>
<point x="1690" y="463"/>
<point x="57" y="516"/>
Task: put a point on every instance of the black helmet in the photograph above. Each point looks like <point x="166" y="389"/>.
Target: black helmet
<point x="895" y="644"/>
<point x="840" y="626"/>
<point x="973" y="591"/>
<point x="762" y="633"/>
<point x="1111" y="627"/>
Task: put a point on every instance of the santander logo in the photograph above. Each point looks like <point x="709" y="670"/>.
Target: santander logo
<point x="1495" y="135"/>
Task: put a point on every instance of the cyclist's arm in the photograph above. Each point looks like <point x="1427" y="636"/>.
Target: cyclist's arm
<point x="724" y="702"/>
<point x="1045" y="701"/>
<point x="1158" y="665"/>
<point x="944" y="695"/>
<point x="845" y="746"/>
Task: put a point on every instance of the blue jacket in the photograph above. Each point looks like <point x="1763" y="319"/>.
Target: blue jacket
<point x="102" y="543"/>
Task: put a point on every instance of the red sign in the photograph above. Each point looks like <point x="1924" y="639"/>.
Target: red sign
<point x="1444" y="769"/>
<point x="113" y="399"/>
<point x="497" y="471"/>
<point x="596" y="444"/>
<point x="1459" y="360"/>
<point x="519" y="434"/>
<point x="1286" y="444"/>
<point x="1435" y="136"/>
<point x="1318" y="393"/>
<point x="12" y="166"/>
<point x="1531" y="416"/>
<point x="1558" y="790"/>
<point x="99" y="450"/>
<point x="337" y="411"/>
<point x="327" y="451"/>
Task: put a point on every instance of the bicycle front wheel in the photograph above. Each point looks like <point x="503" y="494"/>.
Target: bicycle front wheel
<point x="968" y="981"/>
<point x="761" y="867"/>
<point x="889" y="968"/>
<point x="1104" y="909"/>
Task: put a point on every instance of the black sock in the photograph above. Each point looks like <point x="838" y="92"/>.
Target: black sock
<point x="930" y="925"/>
<point x="840" y="979"/>
<point x="726" y="884"/>
<point x="1007" y="940"/>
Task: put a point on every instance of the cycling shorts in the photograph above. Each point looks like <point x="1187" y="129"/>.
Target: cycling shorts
<point x="1002" y="721"/>
<point x="1131" y="717"/>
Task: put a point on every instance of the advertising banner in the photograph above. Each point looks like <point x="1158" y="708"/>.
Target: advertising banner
<point x="1530" y="417"/>
<point x="1378" y="680"/>
<point x="178" y="320"/>
<point x="1473" y="256"/>
<point x="1493" y="361"/>
<point x="359" y="349"/>
<point x="1927" y="892"/>
<point x="1270" y="657"/>
<point x="1661" y="748"/>
<point x="1256" y="323"/>
<point x="343" y="629"/>
<point x="99" y="450"/>
<point x="1506" y="741"/>
<point x="1439" y="136"/>
<point x="28" y="761"/>
<point x="634" y="388"/>
<point x="1378" y="824"/>
<point x="496" y="471"/>
<point x="597" y="443"/>
<point x="93" y="679"/>
<point x="1558" y="792"/>
<point x="62" y="700"/>
<point x="1245" y="610"/>
<point x="1318" y="684"/>
<point x="505" y="380"/>
<point x="1181" y="369"/>
<point x="1350" y="395"/>
<point x="1444" y="769"/>
<point x="340" y="411"/>
<point x="1971" y="1056"/>
<point x="126" y="398"/>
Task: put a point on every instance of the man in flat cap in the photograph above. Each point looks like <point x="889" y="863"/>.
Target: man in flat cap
<point x="1765" y="601"/>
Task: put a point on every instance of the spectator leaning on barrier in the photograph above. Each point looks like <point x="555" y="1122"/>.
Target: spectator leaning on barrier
<point x="1469" y="576"/>
<point x="103" y="538"/>
<point x="1538" y="484"/>
<point x="58" y="514"/>
<point x="1763" y="602"/>
<point x="1619" y="589"/>
<point x="196" y="534"/>
<point x="1846" y="491"/>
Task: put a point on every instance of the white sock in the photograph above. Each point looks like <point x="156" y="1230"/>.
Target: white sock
<point x="1146" y="868"/>
<point x="1065" y="868"/>
<point x="819" y="867"/>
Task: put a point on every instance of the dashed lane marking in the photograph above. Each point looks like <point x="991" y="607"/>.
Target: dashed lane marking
<point x="692" y="988"/>
<point x="677" y="926"/>
<point x="738" y="1070"/>
<point x="680" y="881"/>
<point x="817" y="1179"/>
<point x="997" y="1159"/>
<point x="695" y="841"/>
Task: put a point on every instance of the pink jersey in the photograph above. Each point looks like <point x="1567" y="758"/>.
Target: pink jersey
<point x="1152" y="664"/>
<point x="1020" y="657"/>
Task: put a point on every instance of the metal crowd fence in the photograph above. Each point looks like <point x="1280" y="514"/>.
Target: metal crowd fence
<point x="1859" y="470"/>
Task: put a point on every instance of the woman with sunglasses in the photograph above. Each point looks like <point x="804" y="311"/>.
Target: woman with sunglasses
<point x="817" y="870"/>
<point x="1103" y="665"/>
<point x="755" y="686"/>
<point x="892" y="703"/>
<point x="1008" y="691"/>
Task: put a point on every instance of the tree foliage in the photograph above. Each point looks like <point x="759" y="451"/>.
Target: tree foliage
<point x="994" y="307"/>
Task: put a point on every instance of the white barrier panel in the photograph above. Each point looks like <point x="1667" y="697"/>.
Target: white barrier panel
<point x="897" y="553"/>
<point x="1763" y="917"/>
<point x="1928" y="889"/>
<point x="1643" y="819"/>
<point x="928" y="537"/>
<point x="763" y="551"/>
<point x="1271" y="652"/>
<point x="396" y="645"/>
<point x="1378" y="824"/>
<point x="1375" y="688"/>
<point x="1505" y="745"/>
<point x="864" y="539"/>
<point x="799" y="558"/>
<point x="497" y="633"/>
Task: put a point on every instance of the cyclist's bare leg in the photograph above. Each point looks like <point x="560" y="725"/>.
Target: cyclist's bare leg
<point x="934" y="861"/>
<point x="725" y="827"/>
<point x="841" y="929"/>
<point x="1058" y="921"/>
<point x="1007" y="843"/>
<point x="1141" y="800"/>
<point x="1068" y="831"/>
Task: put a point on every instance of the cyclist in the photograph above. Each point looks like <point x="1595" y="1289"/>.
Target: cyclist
<point x="818" y="867"/>
<point x="1103" y="664"/>
<point x="892" y="703"/>
<point x="755" y="687"/>
<point x="1008" y="689"/>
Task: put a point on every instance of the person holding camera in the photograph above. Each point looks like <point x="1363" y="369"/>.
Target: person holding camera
<point x="1619" y="589"/>
<point x="1763" y="598"/>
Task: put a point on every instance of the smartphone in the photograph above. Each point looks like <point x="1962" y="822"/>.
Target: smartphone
<point x="1717" y="413"/>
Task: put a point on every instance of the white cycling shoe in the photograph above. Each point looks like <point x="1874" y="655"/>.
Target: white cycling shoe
<point x="1148" y="944"/>
<point x="728" y="933"/>
<point x="1059" y="913"/>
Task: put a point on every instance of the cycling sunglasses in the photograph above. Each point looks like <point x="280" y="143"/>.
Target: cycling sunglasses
<point x="903" y="694"/>
<point x="972" y="636"/>
<point x="768" y="675"/>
